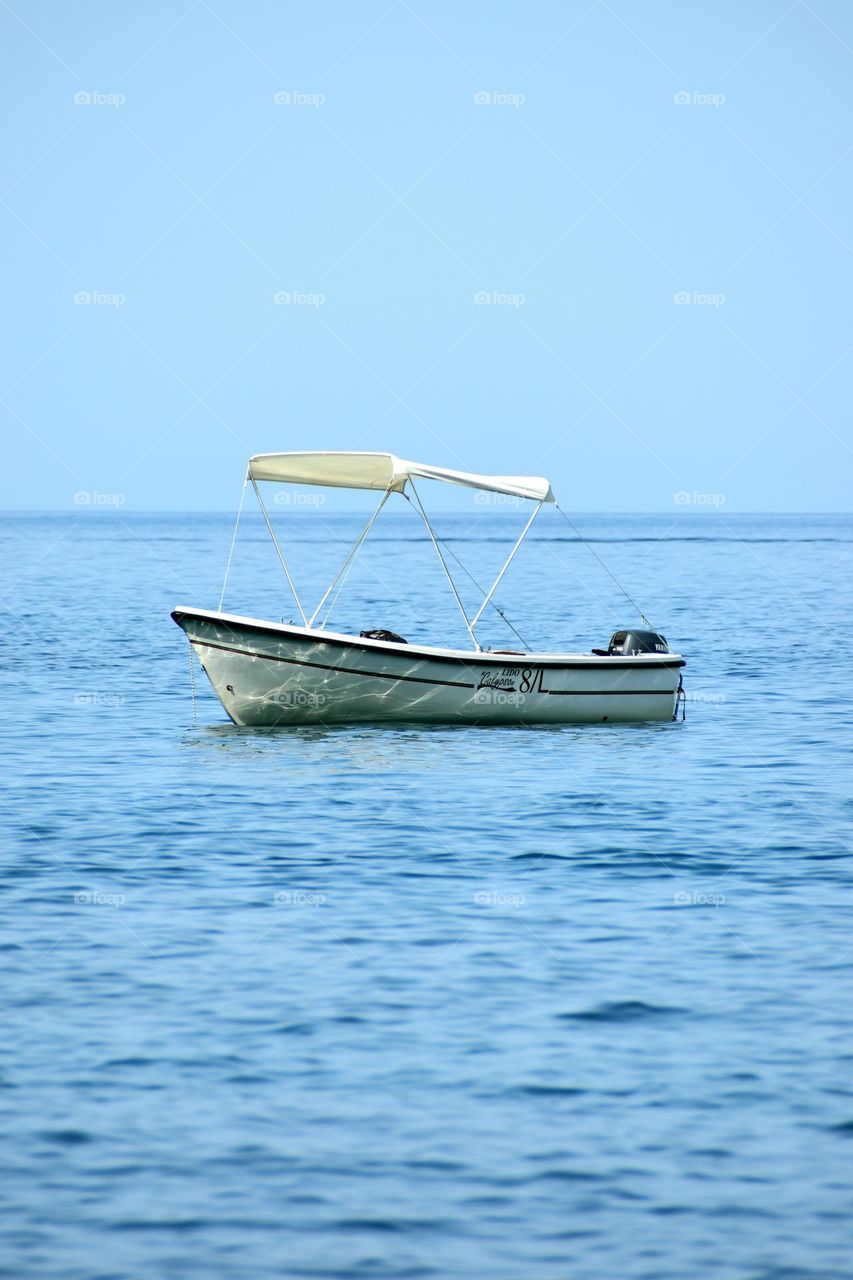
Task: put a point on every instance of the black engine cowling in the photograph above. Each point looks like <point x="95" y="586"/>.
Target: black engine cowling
<point x="627" y="643"/>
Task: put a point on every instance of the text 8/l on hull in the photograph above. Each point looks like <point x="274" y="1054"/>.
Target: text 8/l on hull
<point x="268" y="673"/>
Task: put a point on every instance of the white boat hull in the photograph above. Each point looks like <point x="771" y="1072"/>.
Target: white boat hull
<point x="267" y="673"/>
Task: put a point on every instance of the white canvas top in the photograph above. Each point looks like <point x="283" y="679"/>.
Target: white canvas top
<point x="383" y="471"/>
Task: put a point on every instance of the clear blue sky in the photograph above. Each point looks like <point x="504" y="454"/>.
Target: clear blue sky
<point x="580" y="197"/>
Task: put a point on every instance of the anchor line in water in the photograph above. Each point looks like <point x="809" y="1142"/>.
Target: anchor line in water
<point x="192" y="681"/>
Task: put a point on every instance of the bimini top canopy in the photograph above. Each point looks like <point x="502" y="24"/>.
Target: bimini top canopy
<point x="382" y="471"/>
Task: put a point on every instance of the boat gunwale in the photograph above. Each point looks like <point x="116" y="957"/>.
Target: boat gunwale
<point x="577" y="661"/>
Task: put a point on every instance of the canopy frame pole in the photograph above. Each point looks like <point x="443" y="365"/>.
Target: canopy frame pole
<point x="349" y="561"/>
<point x="474" y="640"/>
<point x="279" y="551"/>
<point x="493" y="588"/>
<point x="233" y="542"/>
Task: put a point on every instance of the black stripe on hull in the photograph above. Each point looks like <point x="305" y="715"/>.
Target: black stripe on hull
<point x="607" y="693"/>
<point x="454" y="684"/>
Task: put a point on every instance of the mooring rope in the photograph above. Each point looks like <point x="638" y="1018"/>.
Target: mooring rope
<point x="192" y="681"/>
<point x="233" y="542"/>
<point x="609" y="573"/>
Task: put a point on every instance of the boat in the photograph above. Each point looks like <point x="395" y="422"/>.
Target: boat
<point x="268" y="673"/>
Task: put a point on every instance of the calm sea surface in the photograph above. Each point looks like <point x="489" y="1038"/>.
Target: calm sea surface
<point x="502" y="1003"/>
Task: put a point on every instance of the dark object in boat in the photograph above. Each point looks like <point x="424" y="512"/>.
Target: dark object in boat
<point x="625" y="644"/>
<point x="380" y="634"/>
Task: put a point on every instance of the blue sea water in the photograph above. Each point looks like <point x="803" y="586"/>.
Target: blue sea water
<point x="441" y="1002"/>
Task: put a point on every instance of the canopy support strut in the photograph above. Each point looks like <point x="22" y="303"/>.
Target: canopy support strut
<point x="348" y="562"/>
<point x="474" y="640"/>
<point x="278" y="550"/>
<point x="506" y="565"/>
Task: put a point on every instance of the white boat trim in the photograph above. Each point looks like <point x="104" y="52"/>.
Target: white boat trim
<point x="568" y="658"/>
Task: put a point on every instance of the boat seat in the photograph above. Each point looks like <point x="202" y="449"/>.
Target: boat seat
<point x="381" y="634"/>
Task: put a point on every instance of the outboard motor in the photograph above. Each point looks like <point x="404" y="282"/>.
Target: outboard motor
<point x="627" y="643"/>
